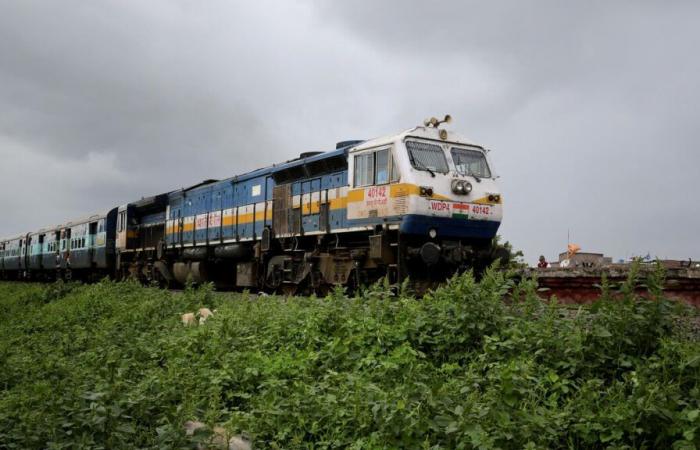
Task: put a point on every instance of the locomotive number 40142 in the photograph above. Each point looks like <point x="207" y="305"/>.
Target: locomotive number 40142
<point x="481" y="210"/>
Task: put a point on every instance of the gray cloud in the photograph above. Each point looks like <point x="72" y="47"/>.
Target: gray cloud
<point x="591" y="112"/>
<point x="589" y="108"/>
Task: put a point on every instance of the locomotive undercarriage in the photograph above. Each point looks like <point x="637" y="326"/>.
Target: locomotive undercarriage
<point x="306" y="264"/>
<point x="294" y="265"/>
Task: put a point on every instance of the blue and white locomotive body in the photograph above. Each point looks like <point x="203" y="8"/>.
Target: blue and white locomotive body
<point x="427" y="183"/>
<point x="421" y="204"/>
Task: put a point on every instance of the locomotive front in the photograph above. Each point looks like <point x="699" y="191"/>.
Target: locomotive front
<point x="439" y="193"/>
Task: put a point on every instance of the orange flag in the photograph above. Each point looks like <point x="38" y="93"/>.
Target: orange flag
<point x="573" y="249"/>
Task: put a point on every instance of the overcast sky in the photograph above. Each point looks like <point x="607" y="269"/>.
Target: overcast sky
<point x="590" y="108"/>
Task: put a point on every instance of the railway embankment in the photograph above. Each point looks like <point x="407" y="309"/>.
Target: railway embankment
<point x="585" y="284"/>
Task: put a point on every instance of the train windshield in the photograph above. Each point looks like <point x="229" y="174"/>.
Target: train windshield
<point x="470" y="162"/>
<point x="428" y="157"/>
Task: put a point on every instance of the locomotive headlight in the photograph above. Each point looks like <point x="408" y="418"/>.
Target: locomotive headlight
<point x="432" y="233"/>
<point x="461" y="187"/>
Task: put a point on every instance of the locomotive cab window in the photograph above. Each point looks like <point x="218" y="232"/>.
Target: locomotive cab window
<point x="470" y="162"/>
<point x="427" y="157"/>
<point x="381" y="166"/>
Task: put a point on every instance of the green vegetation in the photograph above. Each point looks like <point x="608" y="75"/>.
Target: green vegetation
<point x="111" y="366"/>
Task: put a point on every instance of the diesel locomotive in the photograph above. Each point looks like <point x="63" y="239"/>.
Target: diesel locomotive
<point x="422" y="204"/>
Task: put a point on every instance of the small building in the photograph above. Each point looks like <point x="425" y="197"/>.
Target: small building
<point x="680" y="263"/>
<point x="582" y="259"/>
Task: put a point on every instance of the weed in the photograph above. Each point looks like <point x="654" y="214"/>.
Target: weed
<point x="109" y="365"/>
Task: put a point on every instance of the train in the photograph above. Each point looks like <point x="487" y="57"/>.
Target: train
<point x="421" y="204"/>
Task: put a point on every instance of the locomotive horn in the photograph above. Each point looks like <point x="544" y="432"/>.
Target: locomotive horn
<point x="434" y="122"/>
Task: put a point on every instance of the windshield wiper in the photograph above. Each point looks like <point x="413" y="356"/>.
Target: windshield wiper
<point x="423" y="167"/>
<point x="478" y="180"/>
<point x="431" y="172"/>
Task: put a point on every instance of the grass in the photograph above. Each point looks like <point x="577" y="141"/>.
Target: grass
<point x="109" y="365"/>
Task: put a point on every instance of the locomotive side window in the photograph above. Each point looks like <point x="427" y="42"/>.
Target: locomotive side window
<point x="428" y="157"/>
<point x="375" y="167"/>
<point x="382" y="166"/>
<point x="364" y="169"/>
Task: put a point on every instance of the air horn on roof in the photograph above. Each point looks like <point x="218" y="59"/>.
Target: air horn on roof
<point x="434" y="122"/>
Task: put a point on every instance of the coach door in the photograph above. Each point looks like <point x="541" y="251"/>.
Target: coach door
<point x="122" y="233"/>
<point x="92" y="233"/>
<point x="24" y="245"/>
<point x="65" y="247"/>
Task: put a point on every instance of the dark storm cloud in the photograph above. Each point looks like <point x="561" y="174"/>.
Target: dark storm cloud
<point x="108" y="102"/>
<point x="589" y="107"/>
<point x="111" y="77"/>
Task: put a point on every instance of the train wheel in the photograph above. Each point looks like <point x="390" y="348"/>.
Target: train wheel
<point x="161" y="280"/>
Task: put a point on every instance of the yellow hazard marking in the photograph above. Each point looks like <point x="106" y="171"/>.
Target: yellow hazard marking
<point x="395" y="190"/>
<point x="356" y="195"/>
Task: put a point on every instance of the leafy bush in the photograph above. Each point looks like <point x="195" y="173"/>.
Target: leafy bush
<point x="110" y="365"/>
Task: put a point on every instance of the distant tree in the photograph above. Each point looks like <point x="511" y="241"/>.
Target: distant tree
<point x="509" y="258"/>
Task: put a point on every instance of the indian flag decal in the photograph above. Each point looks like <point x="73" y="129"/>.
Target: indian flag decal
<point x="461" y="210"/>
